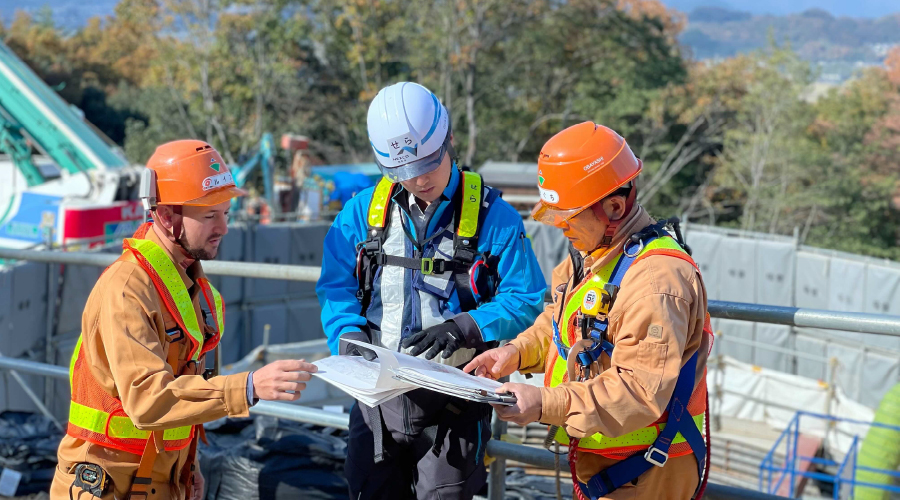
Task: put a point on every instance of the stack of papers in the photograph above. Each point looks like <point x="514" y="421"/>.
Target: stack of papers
<point x="392" y="374"/>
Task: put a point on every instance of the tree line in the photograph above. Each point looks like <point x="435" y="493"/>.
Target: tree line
<point x="743" y="142"/>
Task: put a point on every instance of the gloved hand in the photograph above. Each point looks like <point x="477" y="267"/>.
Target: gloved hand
<point x="447" y="337"/>
<point x="348" y="349"/>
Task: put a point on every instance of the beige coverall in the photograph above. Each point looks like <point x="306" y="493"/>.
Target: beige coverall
<point x="125" y="344"/>
<point x="635" y="387"/>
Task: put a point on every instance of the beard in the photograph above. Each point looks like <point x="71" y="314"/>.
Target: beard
<point x="197" y="253"/>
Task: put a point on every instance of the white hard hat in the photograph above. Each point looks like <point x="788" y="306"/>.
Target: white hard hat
<point x="408" y="130"/>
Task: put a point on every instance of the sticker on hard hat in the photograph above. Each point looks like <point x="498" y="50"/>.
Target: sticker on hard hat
<point x="214" y="181"/>
<point x="403" y="148"/>
<point x="549" y="195"/>
<point x="589" y="166"/>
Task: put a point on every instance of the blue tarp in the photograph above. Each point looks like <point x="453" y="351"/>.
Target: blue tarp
<point x="25" y="225"/>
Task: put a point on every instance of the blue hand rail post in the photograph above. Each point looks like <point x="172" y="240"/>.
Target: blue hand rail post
<point x="794" y="451"/>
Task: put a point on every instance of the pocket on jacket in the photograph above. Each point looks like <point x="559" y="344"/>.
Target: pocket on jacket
<point x="651" y="362"/>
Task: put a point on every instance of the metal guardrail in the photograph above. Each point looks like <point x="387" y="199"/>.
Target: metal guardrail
<point x="779" y="315"/>
<point x="809" y="318"/>
<point x="793" y="316"/>
<point x="500" y="449"/>
<point x="221" y="268"/>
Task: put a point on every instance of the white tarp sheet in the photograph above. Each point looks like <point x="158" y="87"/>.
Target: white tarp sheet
<point x="774" y="273"/>
<point x="849" y="364"/>
<point x="740" y="330"/>
<point x="846" y="285"/>
<point x="814" y="347"/>
<point x="704" y="248"/>
<point x="737" y="270"/>
<point x="879" y="374"/>
<point x="772" y="336"/>
<point x="882" y="297"/>
<point x="811" y="289"/>
<point x="763" y="395"/>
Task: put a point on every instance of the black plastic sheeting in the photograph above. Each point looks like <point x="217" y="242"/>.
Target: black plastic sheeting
<point x="256" y="458"/>
<point x="28" y="444"/>
<point x="264" y="458"/>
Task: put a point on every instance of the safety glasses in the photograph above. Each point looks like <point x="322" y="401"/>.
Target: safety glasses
<point x="416" y="168"/>
<point x="556" y="217"/>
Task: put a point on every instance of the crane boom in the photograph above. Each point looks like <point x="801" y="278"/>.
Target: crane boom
<point x="29" y="109"/>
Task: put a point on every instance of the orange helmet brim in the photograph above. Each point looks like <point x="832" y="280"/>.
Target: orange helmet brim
<point x="216" y="197"/>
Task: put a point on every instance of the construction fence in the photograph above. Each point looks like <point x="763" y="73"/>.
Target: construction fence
<point x="789" y="316"/>
<point x="43" y="302"/>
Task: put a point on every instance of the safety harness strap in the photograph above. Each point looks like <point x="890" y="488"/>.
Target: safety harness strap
<point x="679" y="420"/>
<point x="601" y="343"/>
<point x="469" y="213"/>
<point x="140" y="484"/>
<point x="377" y="424"/>
<point x="425" y="265"/>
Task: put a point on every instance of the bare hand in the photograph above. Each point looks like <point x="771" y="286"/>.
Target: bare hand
<point x="282" y="380"/>
<point x="496" y="363"/>
<point x="197" y="484"/>
<point x="528" y="404"/>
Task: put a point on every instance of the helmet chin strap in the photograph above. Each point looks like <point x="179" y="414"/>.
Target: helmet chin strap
<point x="176" y="222"/>
<point x="613" y="226"/>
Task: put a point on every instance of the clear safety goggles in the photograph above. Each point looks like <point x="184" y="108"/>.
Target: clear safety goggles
<point x="415" y="168"/>
<point x="545" y="214"/>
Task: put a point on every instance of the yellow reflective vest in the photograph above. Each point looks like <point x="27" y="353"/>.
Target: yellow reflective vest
<point x="99" y="417"/>
<point x="568" y="333"/>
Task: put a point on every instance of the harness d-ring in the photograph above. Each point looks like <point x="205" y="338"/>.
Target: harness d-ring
<point x="635" y="254"/>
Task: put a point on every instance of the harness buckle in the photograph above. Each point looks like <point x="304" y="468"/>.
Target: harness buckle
<point x="427" y="266"/>
<point x="638" y="251"/>
<point x="651" y="456"/>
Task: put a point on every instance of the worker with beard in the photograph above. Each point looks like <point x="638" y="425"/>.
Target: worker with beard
<point x="141" y="390"/>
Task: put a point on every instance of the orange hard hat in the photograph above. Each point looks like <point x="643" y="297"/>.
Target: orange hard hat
<point x="579" y="167"/>
<point x="188" y="172"/>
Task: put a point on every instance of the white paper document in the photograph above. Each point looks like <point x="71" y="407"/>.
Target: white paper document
<point x="393" y="373"/>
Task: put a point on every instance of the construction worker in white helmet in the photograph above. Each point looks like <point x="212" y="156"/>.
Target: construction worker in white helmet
<point x="432" y="263"/>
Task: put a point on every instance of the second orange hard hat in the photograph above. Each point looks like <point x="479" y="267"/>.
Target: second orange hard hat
<point x="191" y="172"/>
<point x="580" y="166"/>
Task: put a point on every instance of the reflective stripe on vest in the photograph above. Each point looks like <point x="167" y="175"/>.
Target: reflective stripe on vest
<point x="468" y="218"/>
<point x="117" y="426"/>
<point x="217" y="309"/>
<point x="471" y="203"/>
<point x="97" y="416"/>
<point x="381" y="198"/>
<point x="394" y="293"/>
<point x="162" y="265"/>
<point x="598" y="443"/>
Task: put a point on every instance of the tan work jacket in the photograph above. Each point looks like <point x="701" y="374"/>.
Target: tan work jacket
<point x="636" y="384"/>
<point x="124" y="340"/>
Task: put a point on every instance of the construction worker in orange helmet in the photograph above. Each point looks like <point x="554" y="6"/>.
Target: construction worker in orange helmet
<point x="623" y="346"/>
<point x="140" y="385"/>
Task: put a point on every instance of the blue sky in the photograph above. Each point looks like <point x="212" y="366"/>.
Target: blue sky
<point x="854" y="8"/>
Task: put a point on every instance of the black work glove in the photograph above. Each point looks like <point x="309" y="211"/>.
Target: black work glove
<point x="447" y="337"/>
<point x="348" y="349"/>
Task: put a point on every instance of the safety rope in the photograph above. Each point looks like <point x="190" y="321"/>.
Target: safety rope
<point x="557" y="469"/>
<point x="573" y="457"/>
<point x="705" y="479"/>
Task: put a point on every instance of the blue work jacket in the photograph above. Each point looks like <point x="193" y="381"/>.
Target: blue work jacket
<point x="518" y="298"/>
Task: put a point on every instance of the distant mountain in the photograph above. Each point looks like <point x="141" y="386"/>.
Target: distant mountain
<point x="815" y="34"/>
<point x="68" y="14"/>
<point x="850" y="8"/>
